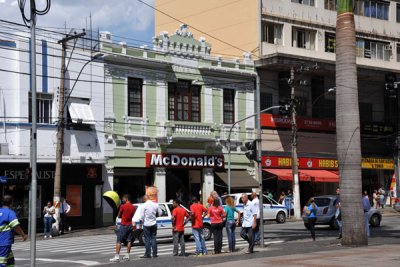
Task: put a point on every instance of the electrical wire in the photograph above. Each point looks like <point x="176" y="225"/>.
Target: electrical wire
<point x="34" y="11"/>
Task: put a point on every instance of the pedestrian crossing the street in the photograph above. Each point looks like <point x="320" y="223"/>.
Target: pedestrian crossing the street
<point x="105" y="245"/>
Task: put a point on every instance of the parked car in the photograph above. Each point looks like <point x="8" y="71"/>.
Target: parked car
<point x="326" y="213"/>
<point x="273" y="211"/>
<point x="164" y="224"/>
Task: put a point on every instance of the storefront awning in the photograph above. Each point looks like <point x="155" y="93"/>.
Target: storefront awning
<point x="81" y="113"/>
<point x="321" y="176"/>
<point x="286" y="174"/>
<point x="239" y="179"/>
<point x="306" y="175"/>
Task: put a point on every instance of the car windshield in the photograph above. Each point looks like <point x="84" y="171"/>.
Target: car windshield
<point x="321" y="202"/>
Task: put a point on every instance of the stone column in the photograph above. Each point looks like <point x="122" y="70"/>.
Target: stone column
<point x="160" y="183"/>
<point x="208" y="184"/>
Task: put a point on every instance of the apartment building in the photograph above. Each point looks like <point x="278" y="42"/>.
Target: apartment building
<point x="83" y="159"/>
<point x="300" y="34"/>
<point x="168" y="111"/>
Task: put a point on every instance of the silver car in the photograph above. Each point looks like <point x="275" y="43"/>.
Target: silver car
<point x="326" y="213"/>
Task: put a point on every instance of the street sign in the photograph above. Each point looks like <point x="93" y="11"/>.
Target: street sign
<point x="3" y="179"/>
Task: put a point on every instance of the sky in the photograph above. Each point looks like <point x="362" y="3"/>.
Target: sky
<point x="123" y="18"/>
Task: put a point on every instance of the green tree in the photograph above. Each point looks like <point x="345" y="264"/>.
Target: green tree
<point x="348" y="145"/>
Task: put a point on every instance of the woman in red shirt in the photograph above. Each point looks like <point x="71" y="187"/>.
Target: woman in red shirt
<point x="216" y="213"/>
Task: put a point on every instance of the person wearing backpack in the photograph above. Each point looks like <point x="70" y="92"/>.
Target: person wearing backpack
<point x="311" y="211"/>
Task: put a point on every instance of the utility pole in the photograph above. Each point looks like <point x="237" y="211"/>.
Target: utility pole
<point x="295" y="166"/>
<point x="60" y="128"/>
<point x="33" y="161"/>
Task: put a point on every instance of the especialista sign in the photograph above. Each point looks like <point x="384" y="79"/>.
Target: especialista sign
<point x="184" y="161"/>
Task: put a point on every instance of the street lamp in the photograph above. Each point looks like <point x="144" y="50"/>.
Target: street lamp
<point x="229" y="143"/>
<point x="330" y="90"/>
<point x="60" y="132"/>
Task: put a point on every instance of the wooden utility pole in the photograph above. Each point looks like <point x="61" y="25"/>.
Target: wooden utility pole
<point x="60" y="128"/>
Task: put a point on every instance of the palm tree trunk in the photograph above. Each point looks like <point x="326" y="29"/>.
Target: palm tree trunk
<point x="348" y="128"/>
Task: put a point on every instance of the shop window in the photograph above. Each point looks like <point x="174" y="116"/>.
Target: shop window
<point x="330" y="42"/>
<point x="304" y="2"/>
<point x="266" y="101"/>
<point x="229" y="106"/>
<point x="302" y="38"/>
<point x="20" y="194"/>
<point x="135" y="97"/>
<point x="44" y="104"/>
<point x="272" y="33"/>
<point x="184" y="101"/>
<point x="360" y="47"/>
<point x="331" y="4"/>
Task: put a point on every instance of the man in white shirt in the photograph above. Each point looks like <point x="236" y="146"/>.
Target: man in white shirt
<point x="148" y="218"/>
<point x="249" y="222"/>
<point x="256" y="203"/>
<point x="64" y="210"/>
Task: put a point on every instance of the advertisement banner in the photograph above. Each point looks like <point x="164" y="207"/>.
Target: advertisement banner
<point x="74" y="199"/>
<point x="393" y="193"/>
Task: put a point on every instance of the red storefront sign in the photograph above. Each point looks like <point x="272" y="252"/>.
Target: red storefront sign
<point x="303" y="123"/>
<point x="184" y="161"/>
<point x="304" y="163"/>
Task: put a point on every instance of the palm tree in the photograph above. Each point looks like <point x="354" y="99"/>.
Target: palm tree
<point x="348" y="145"/>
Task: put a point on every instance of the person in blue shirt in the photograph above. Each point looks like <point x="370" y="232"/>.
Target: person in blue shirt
<point x="311" y="212"/>
<point x="8" y="224"/>
<point x="366" y="206"/>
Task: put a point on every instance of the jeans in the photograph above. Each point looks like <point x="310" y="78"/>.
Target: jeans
<point x="366" y="221"/>
<point x="179" y="240"/>
<point x="230" y="232"/>
<point x="248" y="235"/>
<point x="150" y="233"/>
<point x="311" y="223"/>
<point x="340" y="224"/>
<point x="216" y="229"/>
<point x="47" y="221"/>
<point x="199" y="240"/>
<point x="257" y="235"/>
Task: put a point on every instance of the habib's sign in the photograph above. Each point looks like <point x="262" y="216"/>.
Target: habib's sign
<point x="184" y="161"/>
<point x="324" y="163"/>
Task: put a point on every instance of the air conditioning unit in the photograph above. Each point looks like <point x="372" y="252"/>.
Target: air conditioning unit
<point x="4" y="149"/>
<point x="388" y="47"/>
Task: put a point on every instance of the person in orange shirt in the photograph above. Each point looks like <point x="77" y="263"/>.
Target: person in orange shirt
<point x="180" y="217"/>
<point x="217" y="213"/>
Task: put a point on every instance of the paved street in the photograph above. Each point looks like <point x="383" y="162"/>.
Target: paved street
<point x="281" y="240"/>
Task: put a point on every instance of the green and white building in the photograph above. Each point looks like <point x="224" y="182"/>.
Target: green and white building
<point x="168" y="111"/>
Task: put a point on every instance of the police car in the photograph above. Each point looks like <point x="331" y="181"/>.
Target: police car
<point x="273" y="211"/>
<point x="164" y="224"/>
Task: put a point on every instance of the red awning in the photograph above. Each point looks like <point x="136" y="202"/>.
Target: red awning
<point x="286" y="174"/>
<point x="305" y="175"/>
<point x="321" y="175"/>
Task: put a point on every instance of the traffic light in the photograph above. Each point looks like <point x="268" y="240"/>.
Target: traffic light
<point x="251" y="152"/>
<point x="284" y="108"/>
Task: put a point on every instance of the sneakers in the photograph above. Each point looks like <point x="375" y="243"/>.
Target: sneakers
<point x="126" y="257"/>
<point x="69" y="229"/>
<point x="45" y="237"/>
<point x="50" y="236"/>
<point x="115" y="259"/>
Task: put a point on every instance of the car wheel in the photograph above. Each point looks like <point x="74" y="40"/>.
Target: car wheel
<point x="207" y="232"/>
<point x="307" y="226"/>
<point x="333" y="225"/>
<point x="187" y="237"/>
<point x="280" y="217"/>
<point x="375" y="221"/>
<point x="141" y="239"/>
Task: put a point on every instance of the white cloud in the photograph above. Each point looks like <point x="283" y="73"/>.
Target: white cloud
<point x="121" y="17"/>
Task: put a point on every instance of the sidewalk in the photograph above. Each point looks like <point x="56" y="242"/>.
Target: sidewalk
<point x="381" y="255"/>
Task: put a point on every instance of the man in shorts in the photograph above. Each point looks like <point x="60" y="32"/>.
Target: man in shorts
<point x="125" y="233"/>
<point x="8" y="224"/>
